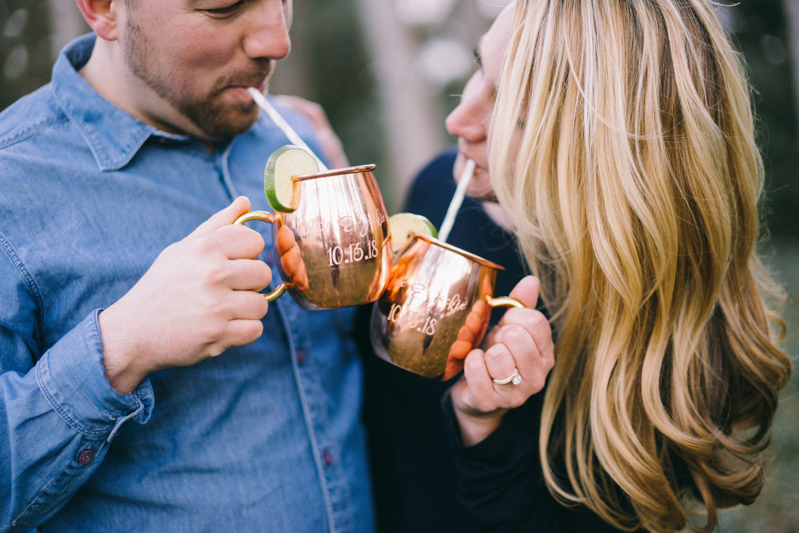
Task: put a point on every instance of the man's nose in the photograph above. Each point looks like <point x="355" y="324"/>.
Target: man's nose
<point x="268" y="33"/>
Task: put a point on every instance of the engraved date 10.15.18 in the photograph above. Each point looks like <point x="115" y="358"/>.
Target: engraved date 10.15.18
<point x="351" y="254"/>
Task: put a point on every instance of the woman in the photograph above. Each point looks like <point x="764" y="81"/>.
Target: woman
<point x="433" y="474"/>
<point x="622" y="152"/>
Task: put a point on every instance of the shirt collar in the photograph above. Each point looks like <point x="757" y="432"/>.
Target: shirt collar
<point x="113" y="135"/>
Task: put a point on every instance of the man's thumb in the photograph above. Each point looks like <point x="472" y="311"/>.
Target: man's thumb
<point x="225" y="217"/>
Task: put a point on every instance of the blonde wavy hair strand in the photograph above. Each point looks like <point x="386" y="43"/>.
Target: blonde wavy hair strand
<point x="623" y="151"/>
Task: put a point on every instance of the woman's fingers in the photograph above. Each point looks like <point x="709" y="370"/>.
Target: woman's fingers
<point x="523" y="344"/>
<point x="537" y="368"/>
<point x="526" y="291"/>
<point x="480" y="395"/>
<point x="499" y="362"/>
<point x="528" y="337"/>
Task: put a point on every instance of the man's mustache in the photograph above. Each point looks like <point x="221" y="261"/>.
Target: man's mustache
<point x="247" y="79"/>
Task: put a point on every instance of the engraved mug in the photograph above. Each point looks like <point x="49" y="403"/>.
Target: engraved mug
<point x="436" y="307"/>
<point x="335" y="248"/>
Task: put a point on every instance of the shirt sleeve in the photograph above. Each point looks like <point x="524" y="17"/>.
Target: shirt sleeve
<point x="58" y="412"/>
<point x="499" y="478"/>
<point x="500" y="484"/>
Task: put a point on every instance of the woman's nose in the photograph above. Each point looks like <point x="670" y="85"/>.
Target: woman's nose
<point x="470" y="120"/>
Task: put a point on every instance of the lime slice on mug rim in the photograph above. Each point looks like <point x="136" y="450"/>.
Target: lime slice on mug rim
<point x="285" y="163"/>
<point x="402" y="224"/>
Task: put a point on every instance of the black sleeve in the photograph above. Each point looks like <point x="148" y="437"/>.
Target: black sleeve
<point x="500" y="486"/>
<point x="499" y="479"/>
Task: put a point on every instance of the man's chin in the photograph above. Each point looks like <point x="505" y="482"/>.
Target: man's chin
<point x="229" y="127"/>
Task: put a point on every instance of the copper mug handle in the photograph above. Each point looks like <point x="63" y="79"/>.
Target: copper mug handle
<point x="266" y="216"/>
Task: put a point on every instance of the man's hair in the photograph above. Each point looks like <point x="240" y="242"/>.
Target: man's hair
<point x="623" y="152"/>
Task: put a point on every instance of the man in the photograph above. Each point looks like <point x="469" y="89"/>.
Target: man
<point x="121" y="279"/>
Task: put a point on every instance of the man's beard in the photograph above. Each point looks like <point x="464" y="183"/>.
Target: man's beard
<point x="216" y="120"/>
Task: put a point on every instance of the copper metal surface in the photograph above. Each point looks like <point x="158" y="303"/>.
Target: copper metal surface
<point x="335" y="248"/>
<point x="435" y="308"/>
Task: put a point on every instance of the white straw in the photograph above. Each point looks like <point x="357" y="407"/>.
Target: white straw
<point x="295" y="139"/>
<point x="457" y="200"/>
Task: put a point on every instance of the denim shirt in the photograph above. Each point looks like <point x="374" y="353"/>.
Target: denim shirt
<point x="265" y="437"/>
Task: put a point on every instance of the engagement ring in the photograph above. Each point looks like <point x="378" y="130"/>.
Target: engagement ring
<point x="514" y="378"/>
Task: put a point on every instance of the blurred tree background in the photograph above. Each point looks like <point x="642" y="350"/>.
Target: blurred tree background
<point x="388" y="71"/>
<point x="25" y="54"/>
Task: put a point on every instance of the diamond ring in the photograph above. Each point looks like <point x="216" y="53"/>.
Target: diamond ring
<point x="514" y="378"/>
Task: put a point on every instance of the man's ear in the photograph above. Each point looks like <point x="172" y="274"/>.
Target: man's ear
<point x="102" y="16"/>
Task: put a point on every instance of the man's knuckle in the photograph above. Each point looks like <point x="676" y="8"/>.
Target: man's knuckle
<point x="215" y="350"/>
<point x="212" y="334"/>
<point x="254" y="331"/>
<point x="265" y="274"/>
<point x="214" y="274"/>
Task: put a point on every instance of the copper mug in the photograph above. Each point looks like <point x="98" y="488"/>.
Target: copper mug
<point x="436" y="307"/>
<point x="335" y="248"/>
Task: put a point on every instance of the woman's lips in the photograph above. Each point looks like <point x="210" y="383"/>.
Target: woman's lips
<point x="463" y="156"/>
<point x="480" y="186"/>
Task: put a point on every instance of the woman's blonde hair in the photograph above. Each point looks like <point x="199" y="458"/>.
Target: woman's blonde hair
<point x="622" y="149"/>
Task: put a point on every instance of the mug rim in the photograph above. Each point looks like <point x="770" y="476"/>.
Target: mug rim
<point x="459" y="251"/>
<point x="334" y="172"/>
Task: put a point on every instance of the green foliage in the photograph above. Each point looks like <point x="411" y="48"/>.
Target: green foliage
<point x="339" y="76"/>
<point x="25" y="56"/>
<point x="762" y="37"/>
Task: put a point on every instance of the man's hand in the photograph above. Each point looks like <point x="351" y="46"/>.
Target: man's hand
<point x="196" y="301"/>
<point x="522" y="340"/>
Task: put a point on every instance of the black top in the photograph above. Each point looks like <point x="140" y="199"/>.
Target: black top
<point x="424" y="479"/>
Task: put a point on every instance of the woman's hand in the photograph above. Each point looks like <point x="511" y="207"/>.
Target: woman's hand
<point x="521" y="341"/>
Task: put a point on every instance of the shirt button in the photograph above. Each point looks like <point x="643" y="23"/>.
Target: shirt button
<point x="301" y="357"/>
<point x="86" y="456"/>
<point x="328" y="457"/>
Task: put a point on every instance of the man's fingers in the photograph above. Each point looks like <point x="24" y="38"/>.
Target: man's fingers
<point x="247" y="305"/>
<point x="240" y="333"/>
<point x="248" y="275"/>
<point x="237" y="242"/>
<point x="225" y="217"/>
